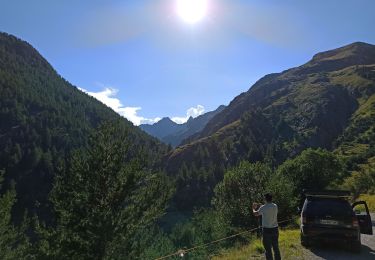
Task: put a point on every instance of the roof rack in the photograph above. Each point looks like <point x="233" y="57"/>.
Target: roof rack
<point x="327" y="193"/>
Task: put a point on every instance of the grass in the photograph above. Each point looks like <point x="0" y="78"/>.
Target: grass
<point x="370" y="199"/>
<point x="366" y="109"/>
<point x="352" y="149"/>
<point x="289" y="242"/>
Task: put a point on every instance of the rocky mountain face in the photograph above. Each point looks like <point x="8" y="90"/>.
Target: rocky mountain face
<point x="327" y="102"/>
<point x="174" y="134"/>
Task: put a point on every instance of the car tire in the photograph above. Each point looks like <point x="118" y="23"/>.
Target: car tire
<point x="305" y="242"/>
<point x="355" y="247"/>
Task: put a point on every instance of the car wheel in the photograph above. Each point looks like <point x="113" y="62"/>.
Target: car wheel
<point x="355" y="246"/>
<point x="305" y="241"/>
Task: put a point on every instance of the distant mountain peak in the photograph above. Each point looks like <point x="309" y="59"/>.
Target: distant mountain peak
<point x="165" y="120"/>
<point x="354" y="54"/>
<point x="328" y="103"/>
<point x="356" y="49"/>
<point x="172" y="133"/>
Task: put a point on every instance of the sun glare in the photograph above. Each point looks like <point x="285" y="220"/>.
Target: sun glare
<point x="191" y="11"/>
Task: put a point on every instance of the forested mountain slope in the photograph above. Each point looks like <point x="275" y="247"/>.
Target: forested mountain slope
<point x="275" y="86"/>
<point x="327" y="102"/>
<point x="43" y="118"/>
<point x="162" y="128"/>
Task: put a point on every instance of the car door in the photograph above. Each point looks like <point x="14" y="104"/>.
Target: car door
<point x="364" y="218"/>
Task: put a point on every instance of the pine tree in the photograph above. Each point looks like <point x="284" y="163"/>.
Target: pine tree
<point x="13" y="243"/>
<point x="103" y="198"/>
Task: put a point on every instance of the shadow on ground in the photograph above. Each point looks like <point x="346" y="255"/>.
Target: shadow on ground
<point x="340" y="251"/>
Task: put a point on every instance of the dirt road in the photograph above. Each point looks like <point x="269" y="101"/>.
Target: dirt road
<point x="340" y="252"/>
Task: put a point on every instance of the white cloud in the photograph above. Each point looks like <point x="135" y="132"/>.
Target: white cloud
<point x="108" y="97"/>
<point x="191" y="112"/>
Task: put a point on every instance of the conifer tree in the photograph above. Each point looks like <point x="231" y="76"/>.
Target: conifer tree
<point x="13" y="243"/>
<point x="103" y="198"/>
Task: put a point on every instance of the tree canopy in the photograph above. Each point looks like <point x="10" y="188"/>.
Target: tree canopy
<point x="103" y="198"/>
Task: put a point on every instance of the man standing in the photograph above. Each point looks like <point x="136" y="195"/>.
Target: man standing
<point x="268" y="211"/>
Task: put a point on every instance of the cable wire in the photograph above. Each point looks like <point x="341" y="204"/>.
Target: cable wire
<point x="182" y="252"/>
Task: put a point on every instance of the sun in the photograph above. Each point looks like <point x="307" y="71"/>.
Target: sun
<point x="191" y="11"/>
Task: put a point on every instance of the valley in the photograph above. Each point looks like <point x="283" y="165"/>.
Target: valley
<point x="78" y="175"/>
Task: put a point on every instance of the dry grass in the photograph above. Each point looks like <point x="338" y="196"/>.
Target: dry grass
<point x="289" y="243"/>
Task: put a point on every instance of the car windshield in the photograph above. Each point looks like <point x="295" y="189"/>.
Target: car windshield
<point x="332" y="207"/>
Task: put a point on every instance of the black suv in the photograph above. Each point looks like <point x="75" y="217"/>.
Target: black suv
<point x="328" y="215"/>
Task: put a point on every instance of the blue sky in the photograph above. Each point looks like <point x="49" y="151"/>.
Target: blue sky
<point x="143" y="60"/>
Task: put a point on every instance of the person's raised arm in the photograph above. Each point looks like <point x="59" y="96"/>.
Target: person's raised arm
<point x="255" y="209"/>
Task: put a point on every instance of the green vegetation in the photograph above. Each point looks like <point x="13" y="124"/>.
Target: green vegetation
<point x="327" y="103"/>
<point x="43" y="119"/>
<point x="80" y="182"/>
<point x="103" y="199"/>
<point x="246" y="184"/>
<point x="362" y="181"/>
<point x="312" y="169"/>
<point x="241" y="186"/>
<point x="174" y="134"/>
<point x="13" y="241"/>
<point x="289" y="242"/>
<point x="370" y="199"/>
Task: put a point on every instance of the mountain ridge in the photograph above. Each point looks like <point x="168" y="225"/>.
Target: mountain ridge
<point x="308" y="67"/>
<point x="175" y="134"/>
<point x="43" y="119"/>
<point x="282" y="114"/>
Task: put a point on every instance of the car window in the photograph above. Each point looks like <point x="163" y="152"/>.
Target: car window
<point x="331" y="207"/>
<point x="360" y="209"/>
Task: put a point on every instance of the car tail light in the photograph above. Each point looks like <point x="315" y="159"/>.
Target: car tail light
<point x="355" y="222"/>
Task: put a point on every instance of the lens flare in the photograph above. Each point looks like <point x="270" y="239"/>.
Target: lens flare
<point x="192" y="11"/>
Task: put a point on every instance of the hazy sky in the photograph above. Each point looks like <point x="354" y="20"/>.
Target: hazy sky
<point x="143" y="60"/>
